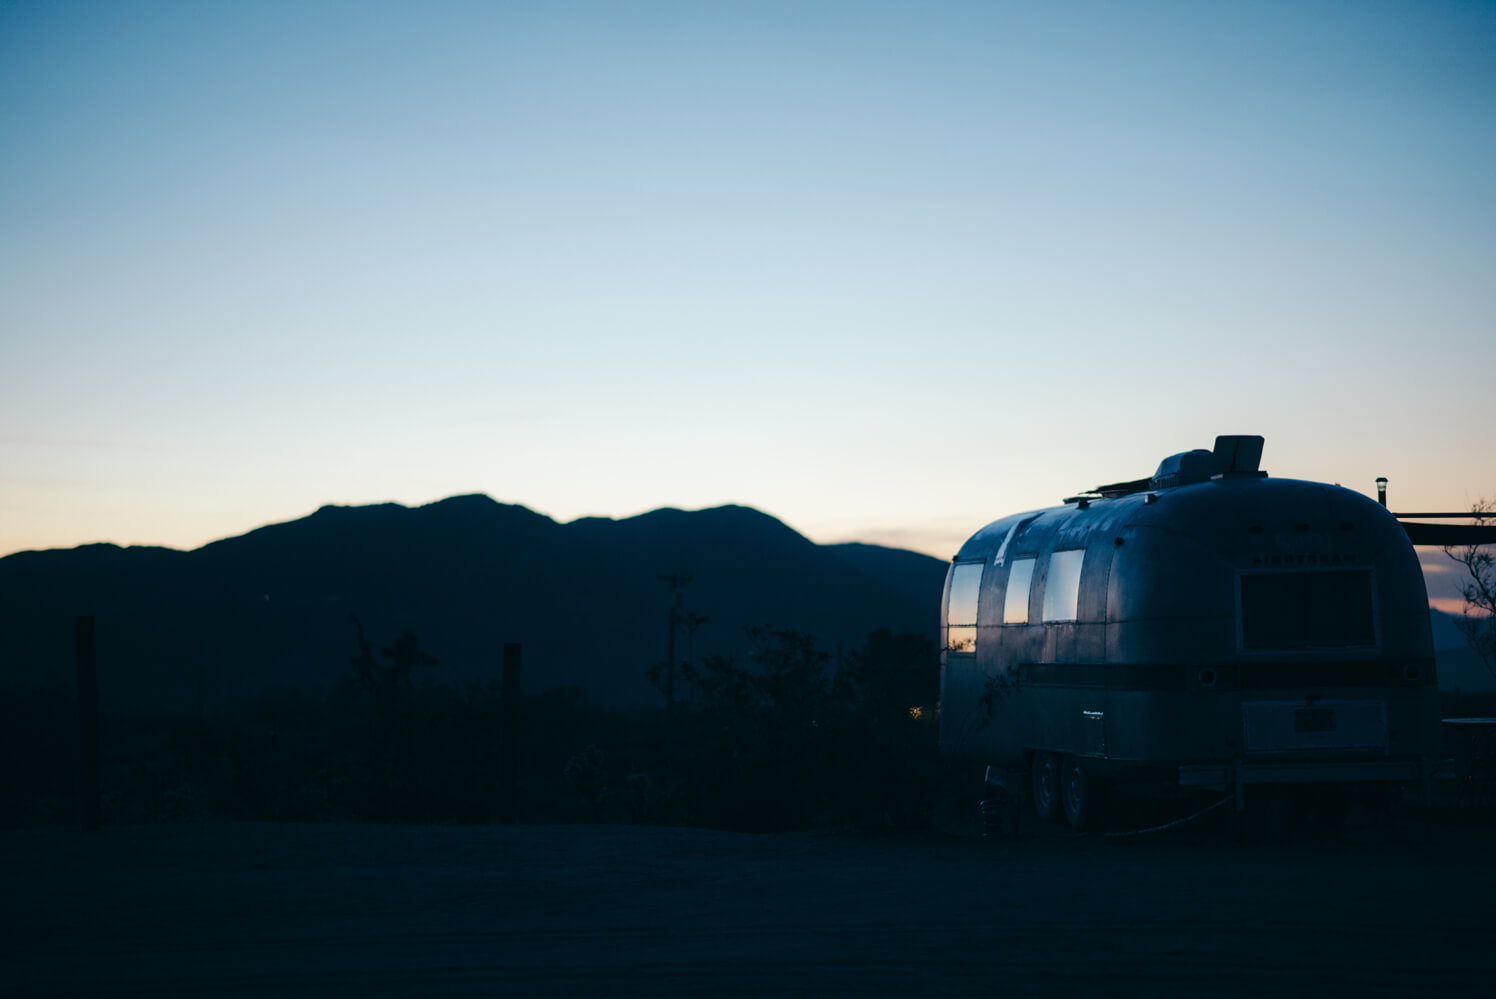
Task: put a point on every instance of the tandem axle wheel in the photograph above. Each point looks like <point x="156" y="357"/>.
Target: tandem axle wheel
<point x="1061" y="788"/>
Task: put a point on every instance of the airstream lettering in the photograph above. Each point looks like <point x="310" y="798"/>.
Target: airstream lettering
<point x="1207" y="627"/>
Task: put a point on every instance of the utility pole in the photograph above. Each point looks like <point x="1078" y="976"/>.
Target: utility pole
<point x="676" y="583"/>
<point x="693" y="621"/>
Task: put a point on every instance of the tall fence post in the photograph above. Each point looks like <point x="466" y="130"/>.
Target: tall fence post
<point x="509" y="735"/>
<point x="91" y="812"/>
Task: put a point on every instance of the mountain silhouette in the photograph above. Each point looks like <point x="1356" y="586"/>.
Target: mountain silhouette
<point x="275" y="609"/>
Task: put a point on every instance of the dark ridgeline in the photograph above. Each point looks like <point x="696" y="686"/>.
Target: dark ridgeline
<point x="273" y="609"/>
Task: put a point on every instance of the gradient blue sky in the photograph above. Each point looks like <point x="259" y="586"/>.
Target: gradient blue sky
<point x="886" y="271"/>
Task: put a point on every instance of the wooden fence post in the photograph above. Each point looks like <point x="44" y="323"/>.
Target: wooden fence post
<point x="509" y="735"/>
<point x="91" y="812"/>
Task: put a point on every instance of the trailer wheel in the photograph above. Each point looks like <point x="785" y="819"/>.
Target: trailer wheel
<point x="1045" y="786"/>
<point x="1075" y="794"/>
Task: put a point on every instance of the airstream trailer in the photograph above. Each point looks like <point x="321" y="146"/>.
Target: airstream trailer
<point x="1208" y="627"/>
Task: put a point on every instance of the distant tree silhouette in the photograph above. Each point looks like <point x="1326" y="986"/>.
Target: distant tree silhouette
<point x="687" y="670"/>
<point x="664" y="674"/>
<point x="896" y="674"/>
<point x="586" y="775"/>
<point x="391" y="681"/>
<point x="896" y="766"/>
<point x="1478" y="621"/>
<point x="725" y="686"/>
<point x="676" y="582"/>
<point x="419" y="754"/>
<point x="790" y="737"/>
<point x="789" y="670"/>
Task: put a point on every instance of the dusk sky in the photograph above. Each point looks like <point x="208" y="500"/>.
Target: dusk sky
<point x="887" y="271"/>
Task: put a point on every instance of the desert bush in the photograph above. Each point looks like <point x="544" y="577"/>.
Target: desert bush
<point x="786" y="738"/>
<point x="790" y="738"/>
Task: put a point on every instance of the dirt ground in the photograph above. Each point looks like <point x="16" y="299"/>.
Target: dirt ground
<point x="329" y="910"/>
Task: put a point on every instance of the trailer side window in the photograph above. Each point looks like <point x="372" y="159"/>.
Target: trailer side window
<point x="961" y="613"/>
<point x="1062" y="585"/>
<point x="1015" y="603"/>
<point x="1294" y="610"/>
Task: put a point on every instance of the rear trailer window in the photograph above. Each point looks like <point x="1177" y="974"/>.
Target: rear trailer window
<point x="961" y="619"/>
<point x="1289" y="610"/>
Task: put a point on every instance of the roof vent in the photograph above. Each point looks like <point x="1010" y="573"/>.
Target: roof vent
<point x="1183" y="469"/>
<point x="1237" y="454"/>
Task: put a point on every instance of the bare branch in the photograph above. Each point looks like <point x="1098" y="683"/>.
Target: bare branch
<point x="1478" y="620"/>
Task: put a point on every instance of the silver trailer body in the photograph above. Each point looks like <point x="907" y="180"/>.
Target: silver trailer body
<point x="1209" y="627"/>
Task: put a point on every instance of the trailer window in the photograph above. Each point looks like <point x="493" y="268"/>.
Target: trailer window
<point x="1015" y="603"/>
<point x="1288" y="610"/>
<point x="1062" y="585"/>
<point x="961" y="614"/>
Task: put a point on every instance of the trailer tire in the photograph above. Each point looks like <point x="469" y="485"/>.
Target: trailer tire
<point x="1075" y="794"/>
<point x="1044" y="786"/>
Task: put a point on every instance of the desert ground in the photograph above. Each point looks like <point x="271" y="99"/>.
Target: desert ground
<point x="615" y="910"/>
